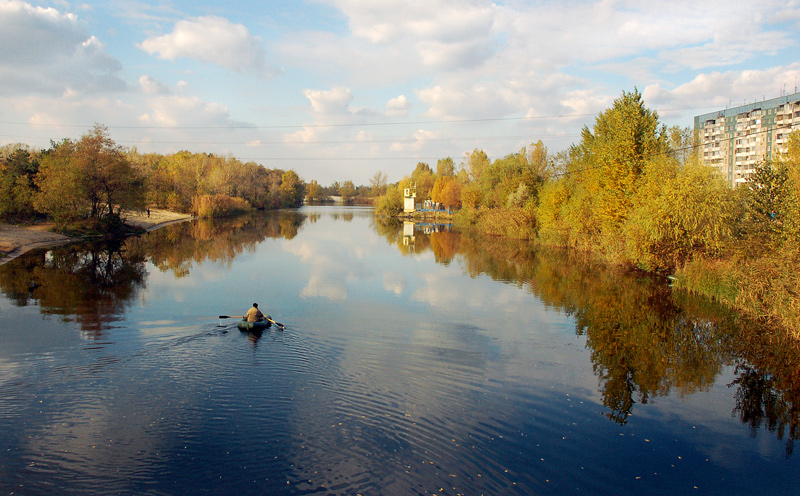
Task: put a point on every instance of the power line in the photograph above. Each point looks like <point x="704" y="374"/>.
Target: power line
<point x="311" y="125"/>
<point x="323" y="125"/>
<point x="404" y="140"/>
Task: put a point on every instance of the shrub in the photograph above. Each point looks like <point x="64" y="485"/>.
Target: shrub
<point x="219" y="206"/>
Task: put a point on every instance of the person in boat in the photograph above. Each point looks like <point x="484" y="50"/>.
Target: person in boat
<point x="254" y="314"/>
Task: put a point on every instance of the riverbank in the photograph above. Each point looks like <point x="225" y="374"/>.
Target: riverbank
<point x="420" y="216"/>
<point x="154" y="220"/>
<point x="16" y="240"/>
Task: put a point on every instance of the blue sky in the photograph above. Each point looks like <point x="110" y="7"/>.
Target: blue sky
<point x="343" y="89"/>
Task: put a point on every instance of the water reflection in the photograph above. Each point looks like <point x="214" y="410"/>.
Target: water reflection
<point x="646" y="341"/>
<point x="176" y="248"/>
<point x="89" y="284"/>
<point x="92" y="284"/>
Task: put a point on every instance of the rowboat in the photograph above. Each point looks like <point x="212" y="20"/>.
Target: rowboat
<point x="260" y="325"/>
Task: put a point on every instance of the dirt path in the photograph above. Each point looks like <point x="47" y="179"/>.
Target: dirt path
<point x="14" y="240"/>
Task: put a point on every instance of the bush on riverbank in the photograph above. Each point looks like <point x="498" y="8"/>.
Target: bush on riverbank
<point x="219" y="206"/>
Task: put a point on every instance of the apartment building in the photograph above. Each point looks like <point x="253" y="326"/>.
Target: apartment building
<point x="736" y="140"/>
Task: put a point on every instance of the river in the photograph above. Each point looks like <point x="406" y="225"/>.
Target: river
<point x="414" y="360"/>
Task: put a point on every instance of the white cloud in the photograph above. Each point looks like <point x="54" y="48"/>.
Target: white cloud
<point x="398" y="107"/>
<point x="333" y="101"/>
<point x="188" y="111"/>
<point x="210" y="39"/>
<point x="721" y="89"/>
<point x="394" y="282"/>
<point x="150" y="86"/>
<point x="420" y="139"/>
<point x="585" y="102"/>
<point x="392" y="20"/>
<point x="486" y="99"/>
<point x="45" y="50"/>
<point x="34" y="35"/>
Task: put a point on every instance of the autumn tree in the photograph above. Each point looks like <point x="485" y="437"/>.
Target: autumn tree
<point x="90" y="178"/>
<point x="424" y="180"/>
<point x="378" y="183"/>
<point x="445" y="167"/>
<point x="451" y="193"/>
<point x="108" y="180"/>
<point x="791" y="162"/>
<point x="476" y="162"/>
<point x="313" y="191"/>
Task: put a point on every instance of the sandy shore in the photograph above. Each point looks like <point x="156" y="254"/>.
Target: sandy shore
<point x="14" y="240"/>
<point x="157" y="218"/>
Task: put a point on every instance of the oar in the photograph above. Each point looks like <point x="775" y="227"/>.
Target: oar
<point x="242" y="316"/>
<point x="277" y="323"/>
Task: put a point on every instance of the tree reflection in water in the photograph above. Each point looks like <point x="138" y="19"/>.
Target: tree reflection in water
<point x="645" y="339"/>
<point x="91" y="284"/>
<point x="88" y="284"/>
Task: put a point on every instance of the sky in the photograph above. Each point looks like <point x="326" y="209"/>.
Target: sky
<point x="344" y="89"/>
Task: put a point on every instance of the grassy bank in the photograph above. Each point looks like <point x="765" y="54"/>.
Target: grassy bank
<point x="766" y="287"/>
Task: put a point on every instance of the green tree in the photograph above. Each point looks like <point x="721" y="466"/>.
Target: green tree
<point x="590" y="202"/>
<point x="624" y="137"/>
<point x="18" y="168"/>
<point x="60" y="194"/>
<point x="291" y="189"/>
<point x="678" y="213"/>
<point x="391" y="203"/>
<point x="347" y="191"/>
<point x="767" y="197"/>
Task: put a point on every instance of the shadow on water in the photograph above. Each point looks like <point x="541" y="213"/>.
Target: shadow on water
<point x="645" y="339"/>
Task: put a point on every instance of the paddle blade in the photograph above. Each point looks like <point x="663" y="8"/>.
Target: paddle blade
<point x="278" y="324"/>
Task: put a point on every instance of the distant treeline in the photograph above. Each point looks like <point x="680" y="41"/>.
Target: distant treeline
<point x="95" y="179"/>
<point x="347" y="191"/>
<point x="636" y="194"/>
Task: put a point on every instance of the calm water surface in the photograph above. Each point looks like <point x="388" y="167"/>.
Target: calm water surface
<point x="414" y="361"/>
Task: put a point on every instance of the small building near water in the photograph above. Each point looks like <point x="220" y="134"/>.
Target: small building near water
<point x="409" y="198"/>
